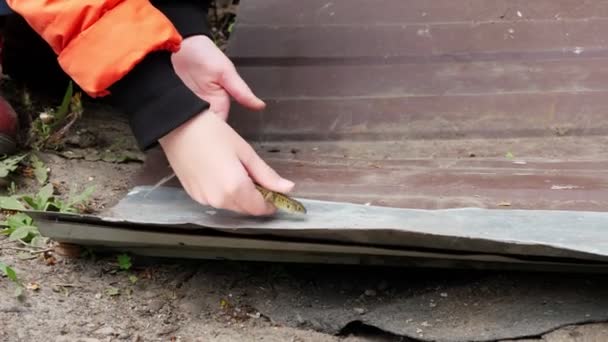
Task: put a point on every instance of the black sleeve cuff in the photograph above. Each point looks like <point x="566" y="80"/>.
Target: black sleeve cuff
<point x="152" y="95"/>
<point x="155" y="99"/>
<point x="188" y="17"/>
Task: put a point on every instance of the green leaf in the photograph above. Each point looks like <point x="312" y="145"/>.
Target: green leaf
<point x="39" y="241"/>
<point x="63" y="109"/>
<point x="19" y="219"/>
<point x="78" y="199"/>
<point x="43" y="196"/>
<point x="9" y="272"/>
<point x="124" y="262"/>
<point x="509" y="155"/>
<point x="29" y="200"/>
<point x="133" y="279"/>
<point x="23" y="232"/>
<point x="15" y="221"/>
<point x="11" y="203"/>
<point x="40" y="170"/>
<point x="10" y="164"/>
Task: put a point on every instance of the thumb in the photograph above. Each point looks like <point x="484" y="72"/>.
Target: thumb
<point x="237" y="88"/>
<point x="263" y="174"/>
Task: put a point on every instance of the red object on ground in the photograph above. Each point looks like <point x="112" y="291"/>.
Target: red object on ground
<point x="8" y="127"/>
<point x="9" y="123"/>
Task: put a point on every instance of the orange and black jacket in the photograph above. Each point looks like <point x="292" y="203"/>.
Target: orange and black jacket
<point x="122" y="48"/>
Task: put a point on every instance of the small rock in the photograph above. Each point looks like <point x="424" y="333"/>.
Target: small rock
<point x="370" y="293"/>
<point x="360" y="311"/>
<point x="155" y="305"/>
<point x="107" y="331"/>
<point x="98" y="296"/>
<point x="443" y="294"/>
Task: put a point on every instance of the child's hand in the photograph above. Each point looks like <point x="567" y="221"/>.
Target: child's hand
<point x="204" y="68"/>
<point x="214" y="165"/>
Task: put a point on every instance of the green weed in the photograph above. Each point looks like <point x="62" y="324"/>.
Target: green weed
<point x="12" y="276"/>
<point x="8" y="165"/>
<point x="45" y="200"/>
<point x="124" y="262"/>
<point x="51" y="126"/>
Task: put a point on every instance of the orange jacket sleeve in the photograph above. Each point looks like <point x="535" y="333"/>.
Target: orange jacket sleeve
<point x="99" y="41"/>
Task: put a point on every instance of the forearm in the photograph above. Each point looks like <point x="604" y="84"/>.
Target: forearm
<point x="98" y="42"/>
<point x="152" y="95"/>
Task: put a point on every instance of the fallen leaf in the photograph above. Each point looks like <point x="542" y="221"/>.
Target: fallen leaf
<point x="50" y="259"/>
<point x="68" y="250"/>
<point x="18" y="292"/>
<point x="25" y="256"/>
<point x="504" y="204"/>
<point x="32" y="287"/>
<point x="40" y="170"/>
<point x="112" y="291"/>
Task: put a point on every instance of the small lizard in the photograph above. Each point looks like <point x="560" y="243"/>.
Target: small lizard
<point x="279" y="200"/>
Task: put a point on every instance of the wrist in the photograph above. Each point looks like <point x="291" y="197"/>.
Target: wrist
<point x="177" y="131"/>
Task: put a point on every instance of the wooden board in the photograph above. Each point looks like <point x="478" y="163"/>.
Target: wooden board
<point x="431" y="104"/>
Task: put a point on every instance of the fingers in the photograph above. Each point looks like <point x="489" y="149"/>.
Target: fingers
<point x="239" y="196"/>
<point x="216" y="166"/>
<point x="261" y="172"/>
<point x="253" y="202"/>
<point x="237" y="88"/>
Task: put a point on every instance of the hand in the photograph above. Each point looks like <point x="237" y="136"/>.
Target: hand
<point x="214" y="165"/>
<point x="204" y="68"/>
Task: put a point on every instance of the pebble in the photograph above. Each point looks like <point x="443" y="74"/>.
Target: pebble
<point x="370" y="293"/>
<point x="155" y="305"/>
<point x="360" y="311"/>
<point x="107" y="331"/>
